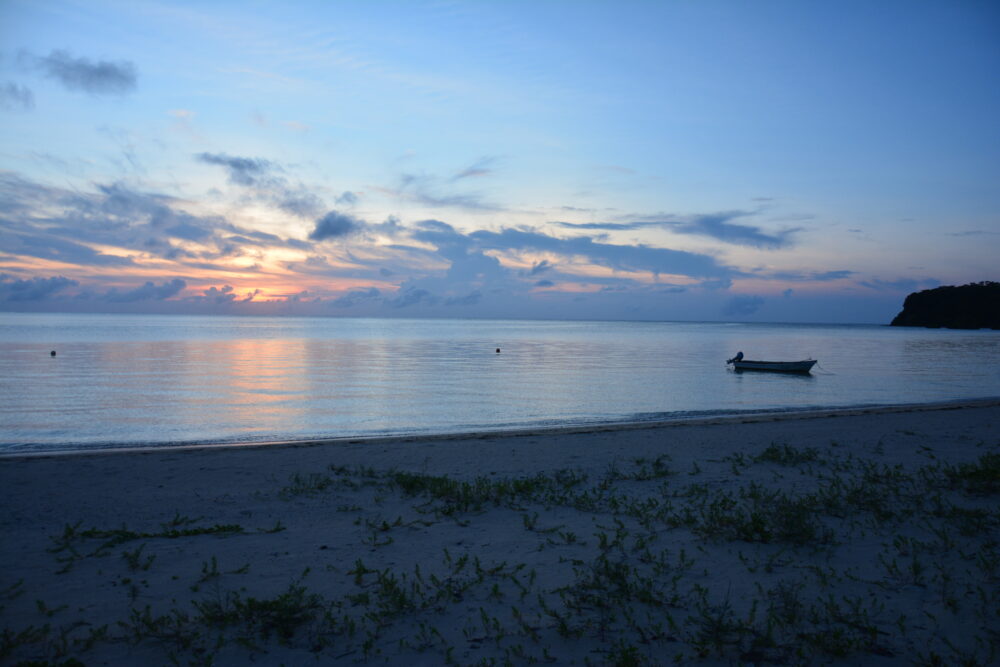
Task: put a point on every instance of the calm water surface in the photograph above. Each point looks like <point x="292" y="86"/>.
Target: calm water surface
<point x="151" y="379"/>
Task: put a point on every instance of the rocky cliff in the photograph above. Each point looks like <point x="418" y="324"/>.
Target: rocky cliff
<point x="972" y="306"/>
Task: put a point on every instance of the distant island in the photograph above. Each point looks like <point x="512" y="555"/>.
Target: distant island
<point x="972" y="306"/>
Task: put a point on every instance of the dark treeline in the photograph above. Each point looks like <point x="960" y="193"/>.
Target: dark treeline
<point x="972" y="306"/>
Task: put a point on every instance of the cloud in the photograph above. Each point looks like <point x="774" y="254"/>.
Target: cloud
<point x="475" y="264"/>
<point x="391" y="226"/>
<point x="743" y="305"/>
<point x="717" y="284"/>
<point x="424" y="190"/>
<point x="32" y="289"/>
<point x="221" y="296"/>
<point x="255" y="238"/>
<point x="258" y="174"/>
<point x="303" y="297"/>
<point x="335" y="225"/>
<point x="806" y="277"/>
<point x="47" y="246"/>
<point x="973" y="232"/>
<point x="241" y="170"/>
<point x="608" y="226"/>
<point x="117" y="226"/>
<point x="347" y="198"/>
<point x="900" y="285"/>
<point x="15" y="97"/>
<point x="124" y="217"/>
<point x="470" y="299"/>
<point x="19" y="196"/>
<point x="80" y="74"/>
<point x="541" y="267"/>
<point x="717" y="226"/>
<point x="830" y="275"/>
<point x="481" y="167"/>
<point x="432" y="265"/>
<point x="147" y="292"/>
<point x="712" y="225"/>
<point x="475" y="268"/>
<point x="189" y="232"/>
<point x="412" y="296"/>
<point x="357" y="297"/>
<point x="618" y="257"/>
<point x="472" y="202"/>
<point x="298" y="202"/>
<point x="449" y="242"/>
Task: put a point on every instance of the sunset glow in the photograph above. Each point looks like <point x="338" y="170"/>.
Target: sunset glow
<point x="692" y="161"/>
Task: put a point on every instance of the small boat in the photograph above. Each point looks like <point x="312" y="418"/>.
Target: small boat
<point x="741" y="364"/>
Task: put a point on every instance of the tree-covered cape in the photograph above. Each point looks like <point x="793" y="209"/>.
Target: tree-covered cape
<point x="972" y="306"/>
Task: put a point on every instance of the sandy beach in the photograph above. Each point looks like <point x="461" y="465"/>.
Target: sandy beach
<point x="863" y="536"/>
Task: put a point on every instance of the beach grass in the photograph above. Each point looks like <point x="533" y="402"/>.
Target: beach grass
<point x="777" y="553"/>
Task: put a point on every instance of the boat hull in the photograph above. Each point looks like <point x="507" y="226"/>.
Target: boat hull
<point x="775" y="366"/>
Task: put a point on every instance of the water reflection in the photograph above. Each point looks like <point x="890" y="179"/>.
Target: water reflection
<point x="134" y="379"/>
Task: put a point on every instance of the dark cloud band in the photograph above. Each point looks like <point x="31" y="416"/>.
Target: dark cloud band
<point x="102" y="77"/>
<point x="15" y="97"/>
<point x="718" y="226"/>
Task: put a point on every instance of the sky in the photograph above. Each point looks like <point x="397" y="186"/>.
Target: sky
<point x="778" y="161"/>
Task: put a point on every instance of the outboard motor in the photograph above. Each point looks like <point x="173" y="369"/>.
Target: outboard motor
<point x="738" y="357"/>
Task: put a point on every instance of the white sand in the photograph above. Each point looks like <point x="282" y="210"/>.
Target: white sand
<point x="674" y="543"/>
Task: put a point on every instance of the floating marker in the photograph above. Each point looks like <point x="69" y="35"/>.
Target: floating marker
<point x="53" y="353"/>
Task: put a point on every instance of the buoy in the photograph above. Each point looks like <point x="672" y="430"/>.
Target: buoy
<point x="53" y="353"/>
<point x="498" y="350"/>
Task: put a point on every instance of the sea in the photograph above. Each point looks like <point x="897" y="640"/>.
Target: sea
<point x="130" y="381"/>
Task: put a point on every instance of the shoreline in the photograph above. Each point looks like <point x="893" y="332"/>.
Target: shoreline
<point x="836" y="538"/>
<point x="750" y="416"/>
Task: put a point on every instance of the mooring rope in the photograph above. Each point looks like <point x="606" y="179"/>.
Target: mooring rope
<point x="824" y="371"/>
